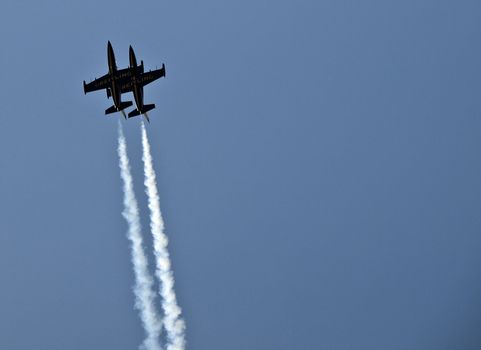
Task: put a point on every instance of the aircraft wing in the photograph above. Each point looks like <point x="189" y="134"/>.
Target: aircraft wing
<point x="98" y="84"/>
<point x="149" y="77"/>
<point x="126" y="86"/>
<point x="123" y="76"/>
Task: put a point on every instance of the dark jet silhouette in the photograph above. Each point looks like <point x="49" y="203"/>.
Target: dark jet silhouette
<point x="119" y="81"/>
<point x="113" y="82"/>
<point x="138" y="79"/>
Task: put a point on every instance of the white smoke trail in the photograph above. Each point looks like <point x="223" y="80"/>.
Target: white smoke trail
<point x="173" y="323"/>
<point x="143" y="288"/>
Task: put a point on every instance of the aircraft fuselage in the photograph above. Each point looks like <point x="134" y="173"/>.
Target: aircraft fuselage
<point x="114" y="89"/>
<point x="137" y="88"/>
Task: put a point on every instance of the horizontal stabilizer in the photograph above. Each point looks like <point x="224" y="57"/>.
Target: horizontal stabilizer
<point x="144" y="110"/>
<point x="134" y="113"/>
<point x="148" y="108"/>
<point x="114" y="109"/>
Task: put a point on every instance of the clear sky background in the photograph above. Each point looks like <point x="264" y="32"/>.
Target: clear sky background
<point x="318" y="164"/>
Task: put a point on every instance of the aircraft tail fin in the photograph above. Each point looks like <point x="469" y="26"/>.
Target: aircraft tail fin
<point x="144" y="110"/>
<point x="114" y="109"/>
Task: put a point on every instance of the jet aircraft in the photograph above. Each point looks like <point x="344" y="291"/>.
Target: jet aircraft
<point x="138" y="79"/>
<point x="112" y="82"/>
<point x="119" y="81"/>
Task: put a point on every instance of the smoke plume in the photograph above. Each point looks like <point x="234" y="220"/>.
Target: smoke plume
<point x="173" y="323"/>
<point x="143" y="287"/>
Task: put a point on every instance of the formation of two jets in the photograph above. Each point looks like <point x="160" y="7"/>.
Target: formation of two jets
<point x="118" y="81"/>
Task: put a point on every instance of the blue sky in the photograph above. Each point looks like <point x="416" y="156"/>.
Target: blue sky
<point x="317" y="162"/>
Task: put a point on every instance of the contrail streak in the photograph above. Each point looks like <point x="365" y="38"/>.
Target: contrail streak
<point x="143" y="288"/>
<point x="173" y="323"/>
